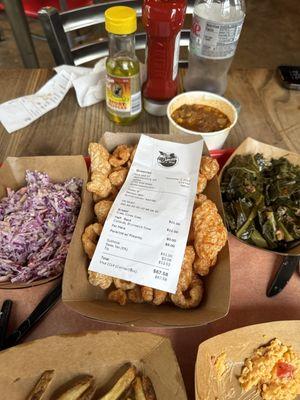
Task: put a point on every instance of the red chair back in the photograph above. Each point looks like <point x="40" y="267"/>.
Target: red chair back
<point x="31" y="7"/>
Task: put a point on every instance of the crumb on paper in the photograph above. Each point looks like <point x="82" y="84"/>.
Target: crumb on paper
<point x="220" y="364"/>
<point x="274" y="369"/>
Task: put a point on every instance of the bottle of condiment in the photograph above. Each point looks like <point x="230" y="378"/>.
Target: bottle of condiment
<point x="163" y="20"/>
<point x="123" y="92"/>
<point x="215" y="32"/>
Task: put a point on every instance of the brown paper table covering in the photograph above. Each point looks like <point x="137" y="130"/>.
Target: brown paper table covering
<point x="269" y="113"/>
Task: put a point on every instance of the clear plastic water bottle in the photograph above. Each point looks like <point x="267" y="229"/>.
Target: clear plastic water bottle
<point x="215" y="32"/>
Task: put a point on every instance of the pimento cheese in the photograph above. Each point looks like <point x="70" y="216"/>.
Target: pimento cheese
<point x="274" y="369"/>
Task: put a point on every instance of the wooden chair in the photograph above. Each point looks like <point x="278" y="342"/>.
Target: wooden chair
<point x="58" y="26"/>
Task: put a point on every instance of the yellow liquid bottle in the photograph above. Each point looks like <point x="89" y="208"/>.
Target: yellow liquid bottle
<point x="123" y="89"/>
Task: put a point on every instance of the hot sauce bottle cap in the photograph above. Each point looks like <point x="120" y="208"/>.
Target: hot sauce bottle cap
<point x="120" y="20"/>
<point x="157" y="108"/>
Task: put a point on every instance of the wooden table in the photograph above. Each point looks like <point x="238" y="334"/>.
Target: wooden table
<point x="269" y="113"/>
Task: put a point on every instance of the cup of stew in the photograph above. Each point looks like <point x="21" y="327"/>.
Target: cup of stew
<point x="202" y="113"/>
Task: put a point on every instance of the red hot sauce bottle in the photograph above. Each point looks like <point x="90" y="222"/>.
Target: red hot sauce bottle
<point x="163" y="21"/>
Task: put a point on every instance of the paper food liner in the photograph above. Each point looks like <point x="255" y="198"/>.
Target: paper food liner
<point x="59" y="168"/>
<point x="100" y="354"/>
<point x="92" y="301"/>
<point x="253" y="146"/>
<point x="238" y="345"/>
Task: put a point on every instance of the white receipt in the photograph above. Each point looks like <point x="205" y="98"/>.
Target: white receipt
<point x="88" y="83"/>
<point x="145" y="233"/>
<point x="18" y="113"/>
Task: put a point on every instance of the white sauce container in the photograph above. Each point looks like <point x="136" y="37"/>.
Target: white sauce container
<point x="214" y="140"/>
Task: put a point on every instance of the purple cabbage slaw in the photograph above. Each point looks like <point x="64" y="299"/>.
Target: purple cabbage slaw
<point x="36" y="227"/>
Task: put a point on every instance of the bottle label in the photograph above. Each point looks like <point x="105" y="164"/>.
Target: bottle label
<point x="176" y="56"/>
<point x="123" y="95"/>
<point x="214" y="40"/>
<point x="136" y="103"/>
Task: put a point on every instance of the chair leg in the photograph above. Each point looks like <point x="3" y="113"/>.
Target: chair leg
<point x="17" y="19"/>
<point x="1" y="34"/>
<point x="63" y="5"/>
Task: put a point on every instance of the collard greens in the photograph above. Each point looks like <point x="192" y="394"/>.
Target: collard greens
<point x="262" y="201"/>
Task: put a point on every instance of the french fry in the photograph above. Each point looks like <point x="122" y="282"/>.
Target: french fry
<point x="79" y="389"/>
<point x="138" y="389"/>
<point x="41" y="385"/>
<point x="88" y="394"/>
<point x="122" y="384"/>
<point x="148" y="388"/>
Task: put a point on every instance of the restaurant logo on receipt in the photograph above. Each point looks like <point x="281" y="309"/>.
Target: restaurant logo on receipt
<point x="145" y="234"/>
<point x="167" y="159"/>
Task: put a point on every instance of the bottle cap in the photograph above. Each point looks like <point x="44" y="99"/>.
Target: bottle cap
<point x="120" y="20"/>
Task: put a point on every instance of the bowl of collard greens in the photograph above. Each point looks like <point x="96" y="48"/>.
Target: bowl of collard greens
<point x="260" y="186"/>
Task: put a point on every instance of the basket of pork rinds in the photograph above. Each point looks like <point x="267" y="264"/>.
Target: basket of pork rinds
<point x="203" y="290"/>
<point x="207" y="237"/>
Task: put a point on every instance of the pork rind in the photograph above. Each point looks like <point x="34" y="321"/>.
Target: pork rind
<point x="90" y="238"/>
<point x="210" y="234"/>
<point x="102" y="209"/>
<point x="154" y="296"/>
<point x="122" y="284"/>
<point x="135" y="295"/>
<point x="209" y="167"/>
<point x="199" y="199"/>
<point x="190" y="298"/>
<point x="201" y="184"/>
<point x="120" y="156"/>
<point x="202" y="265"/>
<point x="159" y="297"/>
<point x="147" y="294"/>
<point x="117" y="177"/>
<point x="101" y="280"/>
<point x="119" y="296"/>
<point x="99" y="159"/>
<point x="99" y="185"/>
<point x="186" y="273"/>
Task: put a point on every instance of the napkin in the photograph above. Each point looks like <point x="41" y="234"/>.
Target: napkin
<point x="88" y="83"/>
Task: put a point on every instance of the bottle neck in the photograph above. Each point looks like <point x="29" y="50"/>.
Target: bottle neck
<point x="121" y="45"/>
